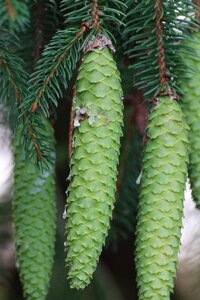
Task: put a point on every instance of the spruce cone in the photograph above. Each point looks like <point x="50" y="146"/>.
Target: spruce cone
<point x="191" y="107"/>
<point x="96" y="142"/>
<point x="34" y="213"/>
<point x="162" y="187"/>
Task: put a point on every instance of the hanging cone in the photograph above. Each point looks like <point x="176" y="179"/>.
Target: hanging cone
<point x="162" y="187"/>
<point x="34" y="214"/>
<point x="96" y="142"/>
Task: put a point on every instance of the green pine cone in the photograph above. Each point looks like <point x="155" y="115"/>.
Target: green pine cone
<point x="191" y="107"/>
<point x="96" y="141"/>
<point x="34" y="214"/>
<point x="164" y="173"/>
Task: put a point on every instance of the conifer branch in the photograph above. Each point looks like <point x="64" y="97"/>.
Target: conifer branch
<point x="17" y="88"/>
<point x="43" y="25"/>
<point x="14" y="89"/>
<point x="112" y="12"/>
<point x="14" y="15"/>
<point x="10" y="9"/>
<point x="161" y="45"/>
<point x="60" y="58"/>
<point x="14" y="78"/>
<point x="55" y="68"/>
<point x="154" y="30"/>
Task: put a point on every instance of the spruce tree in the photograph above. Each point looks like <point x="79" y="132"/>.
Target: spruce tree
<point x="102" y="51"/>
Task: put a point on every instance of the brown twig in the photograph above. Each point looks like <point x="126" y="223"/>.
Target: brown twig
<point x="95" y="13"/>
<point x="164" y="88"/>
<point x="11" y="10"/>
<point x="160" y="44"/>
<point x="34" y="141"/>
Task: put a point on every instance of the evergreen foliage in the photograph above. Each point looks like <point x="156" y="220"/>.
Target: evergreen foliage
<point x="13" y="79"/>
<point x="46" y="48"/>
<point x="43" y="24"/>
<point x="55" y="68"/>
<point x="61" y="56"/>
<point x="111" y="12"/>
<point x="14" y="15"/>
<point x="144" y="42"/>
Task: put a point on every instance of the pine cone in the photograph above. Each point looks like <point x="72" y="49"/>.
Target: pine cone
<point x="96" y="142"/>
<point x="162" y="187"/>
<point x="191" y="107"/>
<point x="34" y="213"/>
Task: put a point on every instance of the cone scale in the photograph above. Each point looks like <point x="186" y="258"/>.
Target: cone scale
<point x="164" y="173"/>
<point x="34" y="216"/>
<point x="96" y="141"/>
